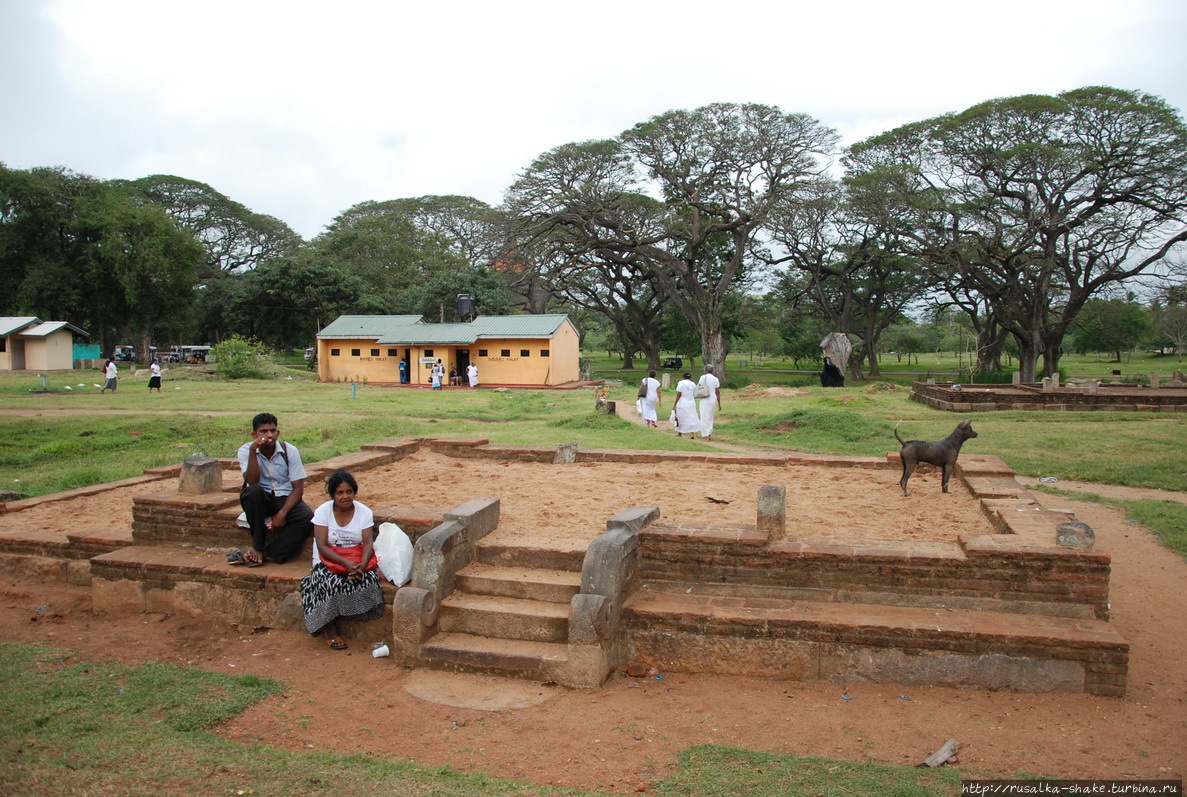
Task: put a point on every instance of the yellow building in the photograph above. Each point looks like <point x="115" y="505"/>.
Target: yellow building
<point x="29" y="344"/>
<point x="516" y="350"/>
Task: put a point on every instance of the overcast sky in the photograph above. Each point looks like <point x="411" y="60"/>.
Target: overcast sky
<point x="301" y="110"/>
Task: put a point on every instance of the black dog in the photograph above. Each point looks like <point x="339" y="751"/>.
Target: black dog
<point x="942" y="454"/>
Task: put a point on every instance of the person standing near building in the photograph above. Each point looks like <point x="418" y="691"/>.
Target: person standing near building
<point x="111" y="376"/>
<point x="403" y="372"/>
<point x="154" y="379"/>
<point x="711" y="385"/>
<point x="436" y="374"/>
<point x="472" y="374"/>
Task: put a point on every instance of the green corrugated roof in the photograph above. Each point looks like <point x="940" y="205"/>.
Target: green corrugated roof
<point x="368" y="326"/>
<point x="483" y="327"/>
<point x="410" y="330"/>
<point x="10" y="324"/>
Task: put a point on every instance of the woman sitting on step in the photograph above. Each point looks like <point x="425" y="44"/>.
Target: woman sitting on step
<point x="344" y="581"/>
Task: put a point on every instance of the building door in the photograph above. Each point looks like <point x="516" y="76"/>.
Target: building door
<point x="463" y="362"/>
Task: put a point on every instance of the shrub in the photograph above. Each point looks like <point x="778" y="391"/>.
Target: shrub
<point x="240" y="358"/>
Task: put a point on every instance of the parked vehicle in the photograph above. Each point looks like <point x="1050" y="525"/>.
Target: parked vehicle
<point x="123" y="354"/>
<point x="672" y="362"/>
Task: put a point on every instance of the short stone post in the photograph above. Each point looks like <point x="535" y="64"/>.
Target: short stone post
<point x="566" y="453"/>
<point x="665" y="381"/>
<point x="1093" y="386"/>
<point x="1154" y="380"/>
<point x="1017" y="378"/>
<point x="772" y="511"/>
<point x="1048" y="385"/>
<point x="1179" y="376"/>
<point x="1055" y="380"/>
<point x="200" y="475"/>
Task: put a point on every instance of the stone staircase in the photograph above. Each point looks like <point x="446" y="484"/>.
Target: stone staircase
<point x="507" y="614"/>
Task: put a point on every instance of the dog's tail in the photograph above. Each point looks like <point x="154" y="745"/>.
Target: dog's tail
<point x="901" y="441"/>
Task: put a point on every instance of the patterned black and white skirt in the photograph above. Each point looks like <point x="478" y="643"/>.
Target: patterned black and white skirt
<point x="326" y="596"/>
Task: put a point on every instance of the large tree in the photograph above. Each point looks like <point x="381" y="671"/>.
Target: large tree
<point x="577" y="221"/>
<point x="1035" y="203"/>
<point x="235" y="238"/>
<point x="77" y="249"/>
<point x="683" y="195"/>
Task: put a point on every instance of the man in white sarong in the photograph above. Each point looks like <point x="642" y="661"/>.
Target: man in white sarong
<point x="650" y="400"/>
<point x="472" y="374"/>
<point x="709" y="405"/>
<point x="687" y="422"/>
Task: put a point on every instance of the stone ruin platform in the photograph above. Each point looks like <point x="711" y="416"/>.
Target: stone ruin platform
<point x="1078" y="396"/>
<point x="1019" y="604"/>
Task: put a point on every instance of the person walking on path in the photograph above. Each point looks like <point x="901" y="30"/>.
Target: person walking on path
<point x="687" y="421"/>
<point x="650" y="398"/>
<point x="710" y="403"/>
<point x="271" y="496"/>
<point x="111" y="376"/>
<point x="154" y="379"/>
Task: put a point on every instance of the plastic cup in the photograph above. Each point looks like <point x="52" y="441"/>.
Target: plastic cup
<point x="379" y="650"/>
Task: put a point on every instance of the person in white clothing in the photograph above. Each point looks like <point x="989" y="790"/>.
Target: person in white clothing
<point x="154" y="379"/>
<point x="687" y="422"/>
<point x="111" y="375"/>
<point x="344" y="579"/>
<point x="472" y="374"/>
<point x="711" y="403"/>
<point x="650" y="399"/>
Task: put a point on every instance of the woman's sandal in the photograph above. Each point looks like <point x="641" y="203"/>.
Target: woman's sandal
<point x="337" y="643"/>
<point x="236" y="558"/>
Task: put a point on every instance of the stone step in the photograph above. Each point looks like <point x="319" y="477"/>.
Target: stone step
<point x="541" y="661"/>
<point x="899" y="644"/>
<point x="505" y="618"/>
<point x="543" y="554"/>
<point x="556" y="586"/>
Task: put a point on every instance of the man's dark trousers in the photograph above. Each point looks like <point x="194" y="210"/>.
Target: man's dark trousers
<point x="259" y="504"/>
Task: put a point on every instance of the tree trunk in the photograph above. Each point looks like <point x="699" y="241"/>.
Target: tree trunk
<point x="713" y="352"/>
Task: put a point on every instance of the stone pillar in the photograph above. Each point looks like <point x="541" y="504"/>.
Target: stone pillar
<point x="1093" y="386"/>
<point x="1154" y="380"/>
<point x="665" y="381"/>
<point x="1017" y="377"/>
<point x="1055" y="380"/>
<point x="772" y="511"/>
<point x="566" y="453"/>
<point x="200" y="476"/>
<point x="1048" y="385"/>
<point x="1179" y="376"/>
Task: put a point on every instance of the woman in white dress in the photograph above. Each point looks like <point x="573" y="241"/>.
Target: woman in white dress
<point x="687" y="420"/>
<point x="650" y="399"/>
<point x="344" y="580"/>
<point x="710" y="403"/>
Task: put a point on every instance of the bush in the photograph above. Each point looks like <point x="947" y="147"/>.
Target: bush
<point x="240" y="358"/>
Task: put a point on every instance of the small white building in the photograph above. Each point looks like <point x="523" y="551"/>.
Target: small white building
<point x="30" y="344"/>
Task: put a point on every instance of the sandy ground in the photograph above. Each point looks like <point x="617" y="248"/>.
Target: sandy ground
<point x="629" y="733"/>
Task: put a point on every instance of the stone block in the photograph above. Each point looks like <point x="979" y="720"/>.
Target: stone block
<point x="480" y="516"/>
<point x="414" y="615"/>
<point x="566" y="453"/>
<point x="1075" y="534"/>
<point x="200" y="475"/>
<point x="772" y="511"/>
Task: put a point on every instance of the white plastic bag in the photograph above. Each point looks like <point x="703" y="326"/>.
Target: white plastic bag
<point x="394" y="550"/>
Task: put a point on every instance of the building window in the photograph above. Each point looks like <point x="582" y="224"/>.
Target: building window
<point x="374" y="352"/>
<point x="524" y="353"/>
<point x="482" y="352"/>
<point x="355" y="352"/>
<point x="3" y="344"/>
<point x="505" y="352"/>
<point x="428" y="352"/>
<point x="393" y="352"/>
<point x="335" y="352"/>
<point x="543" y="352"/>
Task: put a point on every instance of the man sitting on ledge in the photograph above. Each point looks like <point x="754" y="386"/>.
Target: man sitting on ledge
<point x="273" y="486"/>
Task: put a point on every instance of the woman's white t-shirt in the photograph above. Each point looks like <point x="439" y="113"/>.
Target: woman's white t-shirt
<point x="350" y="534"/>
